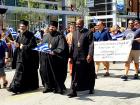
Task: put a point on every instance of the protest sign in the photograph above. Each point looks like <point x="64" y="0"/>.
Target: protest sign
<point x="112" y="50"/>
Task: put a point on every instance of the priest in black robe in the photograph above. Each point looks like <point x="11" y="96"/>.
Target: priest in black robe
<point x="83" y="72"/>
<point x="27" y="62"/>
<point x="43" y="61"/>
<point x="55" y="61"/>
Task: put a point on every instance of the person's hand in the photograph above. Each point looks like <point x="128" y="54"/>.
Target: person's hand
<point x="89" y="58"/>
<point x="12" y="42"/>
<point x="6" y="60"/>
<point x="17" y="45"/>
<point x="70" y="61"/>
<point x="137" y="39"/>
<point x="51" y="53"/>
<point x="21" y="46"/>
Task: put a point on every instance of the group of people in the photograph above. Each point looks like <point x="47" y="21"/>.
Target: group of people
<point x="74" y="51"/>
<point x="52" y="64"/>
<point x="115" y="33"/>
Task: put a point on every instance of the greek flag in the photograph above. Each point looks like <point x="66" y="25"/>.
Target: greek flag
<point x="43" y="48"/>
<point x="38" y="35"/>
<point x="115" y="37"/>
<point x="120" y="5"/>
<point x="14" y="33"/>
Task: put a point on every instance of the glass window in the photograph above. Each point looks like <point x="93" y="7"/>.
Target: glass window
<point x="11" y="3"/>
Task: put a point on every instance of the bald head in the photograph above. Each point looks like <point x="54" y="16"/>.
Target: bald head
<point x="80" y="23"/>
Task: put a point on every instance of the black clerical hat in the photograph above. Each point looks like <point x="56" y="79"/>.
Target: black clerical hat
<point x="54" y="23"/>
<point x="25" y="22"/>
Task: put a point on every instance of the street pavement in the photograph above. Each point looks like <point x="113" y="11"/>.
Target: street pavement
<point x="108" y="91"/>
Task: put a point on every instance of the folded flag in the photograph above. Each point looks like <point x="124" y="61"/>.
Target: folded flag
<point x="43" y="48"/>
<point x="38" y="35"/>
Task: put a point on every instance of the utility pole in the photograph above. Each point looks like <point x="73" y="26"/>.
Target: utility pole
<point x="138" y="9"/>
<point x="64" y="17"/>
<point x="2" y="11"/>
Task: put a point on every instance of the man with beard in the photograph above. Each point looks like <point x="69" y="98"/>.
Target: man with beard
<point x="26" y="75"/>
<point x="56" y="61"/>
<point x="83" y="73"/>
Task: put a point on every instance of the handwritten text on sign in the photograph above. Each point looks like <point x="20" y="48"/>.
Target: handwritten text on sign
<point x="112" y="50"/>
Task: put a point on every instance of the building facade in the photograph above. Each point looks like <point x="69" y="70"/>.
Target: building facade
<point x="38" y="12"/>
<point x="107" y="10"/>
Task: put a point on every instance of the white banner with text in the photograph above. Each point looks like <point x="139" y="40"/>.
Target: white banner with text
<point x="112" y="50"/>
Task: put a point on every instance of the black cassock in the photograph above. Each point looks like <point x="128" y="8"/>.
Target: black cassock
<point x="55" y="71"/>
<point x="43" y="62"/>
<point x="83" y="73"/>
<point x="27" y="63"/>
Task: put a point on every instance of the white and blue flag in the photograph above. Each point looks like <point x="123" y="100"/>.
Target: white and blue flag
<point x="117" y="36"/>
<point x="38" y="35"/>
<point x="14" y="33"/>
<point x="43" y="48"/>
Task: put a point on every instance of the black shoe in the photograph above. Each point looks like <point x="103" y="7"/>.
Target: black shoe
<point x="71" y="95"/>
<point x="106" y="74"/>
<point x="58" y="91"/>
<point x="5" y="84"/>
<point x="12" y="90"/>
<point x="114" y="62"/>
<point x="62" y="92"/>
<point x="95" y="76"/>
<point x="136" y="76"/>
<point x="124" y="77"/>
<point x="64" y="87"/>
<point x="55" y="91"/>
<point x="47" y="90"/>
<point x="91" y="91"/>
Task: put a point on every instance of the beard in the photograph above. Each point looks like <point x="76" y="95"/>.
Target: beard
<point x="52" y="33"/>
<point x="22" y="31"/>
<point x="79" y="28"/>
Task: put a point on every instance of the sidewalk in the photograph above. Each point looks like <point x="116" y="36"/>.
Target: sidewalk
<point x="108" y="91"/>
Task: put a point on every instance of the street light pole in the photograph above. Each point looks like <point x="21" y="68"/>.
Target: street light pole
<point x="138" y="9"/>
<point x="64" y="17"/>
<point x="2" y="11"/>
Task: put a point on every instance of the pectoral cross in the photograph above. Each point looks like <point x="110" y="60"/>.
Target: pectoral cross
<point x="78" y="44"/>
<point x="50" y="46"/>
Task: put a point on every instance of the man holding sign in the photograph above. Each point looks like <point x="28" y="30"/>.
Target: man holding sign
<point x="132" y="34"/>
<point x="102" y="34"/>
